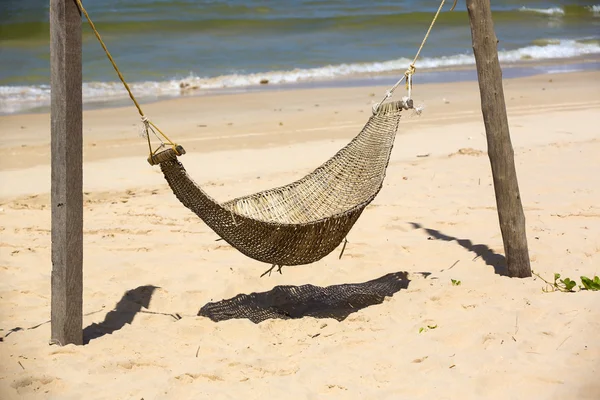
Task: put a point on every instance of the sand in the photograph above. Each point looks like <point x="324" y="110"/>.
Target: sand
<point x="490" y="337"/>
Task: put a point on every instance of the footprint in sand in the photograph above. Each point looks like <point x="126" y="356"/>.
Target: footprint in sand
<point x="468" y="151"/>
<point x="190" y="378"/>
<point x="63" y="350"/>
<point x="34" y="383"/>
<point x="138" y="364"/>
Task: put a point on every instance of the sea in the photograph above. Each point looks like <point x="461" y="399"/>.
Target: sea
<point x="176" y="48"/>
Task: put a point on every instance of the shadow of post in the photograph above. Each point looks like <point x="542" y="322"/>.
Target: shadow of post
<point x="498" y="261"/>
<point x="130" y="304"/>
<point x="290" y="302"/>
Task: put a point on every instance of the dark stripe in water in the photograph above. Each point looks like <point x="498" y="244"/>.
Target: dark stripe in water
<point x="260" y="24"/>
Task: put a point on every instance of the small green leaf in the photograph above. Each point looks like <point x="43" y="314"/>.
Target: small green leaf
<point x="455" y="282"/>
<point x="569" y="284"/>
<point x="589" y="284"/>
<point x="556" y="276"/>
<point x="421" y="329"/>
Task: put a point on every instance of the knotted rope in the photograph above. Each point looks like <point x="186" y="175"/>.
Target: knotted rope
<point x="411" y="68"/>
<point x="148" y="126"/>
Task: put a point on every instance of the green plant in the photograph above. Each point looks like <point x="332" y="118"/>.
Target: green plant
<point x="455" y="282"/>
<point x="590" y="284"/>
<point x="567" y="284"/>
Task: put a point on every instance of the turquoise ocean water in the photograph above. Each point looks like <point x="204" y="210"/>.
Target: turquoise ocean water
<point x="211" y="45"/>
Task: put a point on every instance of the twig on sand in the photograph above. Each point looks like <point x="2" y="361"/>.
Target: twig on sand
<point x="175" y="316"/>
<point x="17" y="329"/>
<point x="343" y="248"/>
<point x="452" y="266"/>
<point x="561" y="343"/>
<point x="271" y="269"/>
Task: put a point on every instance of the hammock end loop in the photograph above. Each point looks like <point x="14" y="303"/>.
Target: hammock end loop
<point x="179" y="150"/>
<point x="375" y="108"/>
<point x="407" y="103"/>
<point x="166" y="155"/>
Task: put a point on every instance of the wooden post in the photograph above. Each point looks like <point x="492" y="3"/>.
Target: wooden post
<point x="500" y="150"/>
<point x="67" y="174"/>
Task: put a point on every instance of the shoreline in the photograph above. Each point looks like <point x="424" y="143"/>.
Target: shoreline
<point x="209" y="127"/>
<point x="443" y="74"/>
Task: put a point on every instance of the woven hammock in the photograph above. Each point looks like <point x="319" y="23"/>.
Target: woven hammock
<point x="304" y="221"/>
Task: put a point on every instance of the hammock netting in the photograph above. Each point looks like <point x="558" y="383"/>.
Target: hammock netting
<point x="304" y="221"/>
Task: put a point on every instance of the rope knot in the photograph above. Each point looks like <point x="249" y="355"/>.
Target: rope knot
<point x="375" y="108"/>
<point x="145" y="128"/>
<point x="408" y="75"/>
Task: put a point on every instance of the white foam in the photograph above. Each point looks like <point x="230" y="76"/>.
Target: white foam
<point x="594" y="9"/>
<point x="546" y="11"/>
<point x="22" y="98"/>
<point x="17" y="98"/>
<point x="562" y="49"/>
<point x="560" y="70"/>
<point x="556" y="49"/>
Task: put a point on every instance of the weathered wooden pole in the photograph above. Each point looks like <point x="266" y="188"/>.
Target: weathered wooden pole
<point x="500" y="150"/>
<point x="67" y="175"/>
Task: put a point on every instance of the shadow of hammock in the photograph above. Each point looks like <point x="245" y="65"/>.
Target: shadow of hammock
<point x="290" y="302"/>
<point x="130" y="304"/>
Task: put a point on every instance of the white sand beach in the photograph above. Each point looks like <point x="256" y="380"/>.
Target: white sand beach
<point x="491" y="337"/>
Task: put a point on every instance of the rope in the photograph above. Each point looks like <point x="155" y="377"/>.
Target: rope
<point x="148" y="125"/>
<point x="411" y="68"/>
